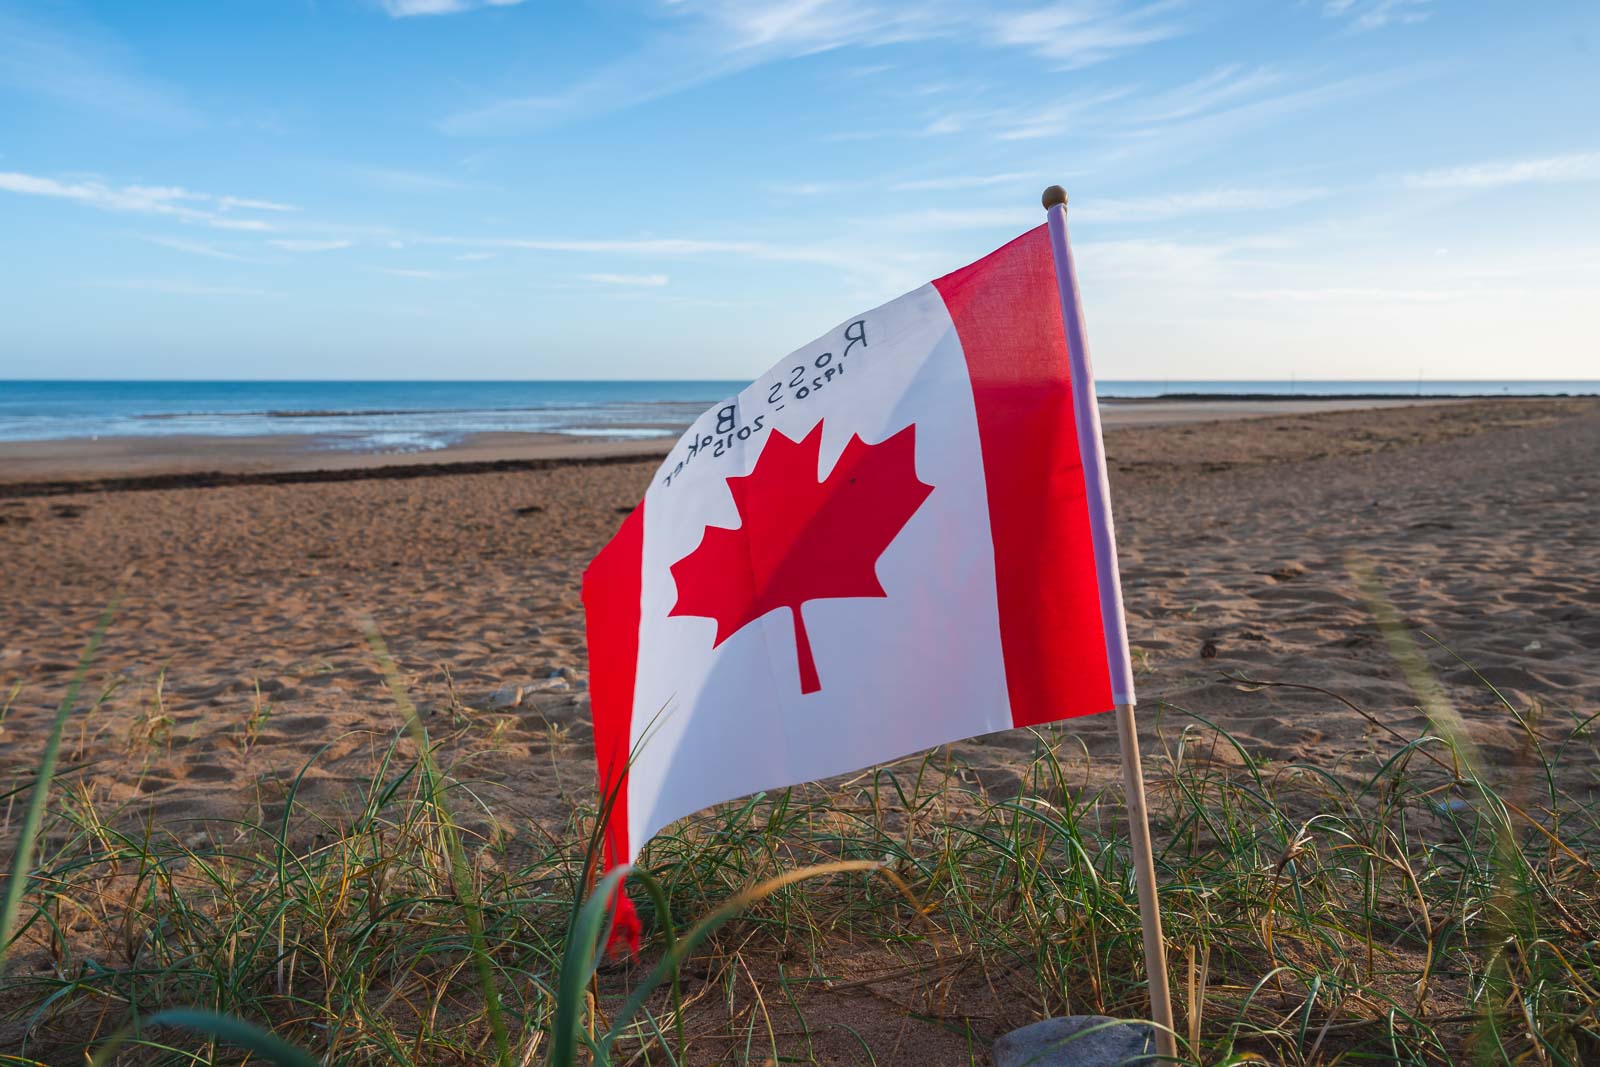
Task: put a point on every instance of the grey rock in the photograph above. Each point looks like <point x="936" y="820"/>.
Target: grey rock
<point x="553" y="684"/>
<point x="1075" y="1041"/>
<point x="507" y="696"/>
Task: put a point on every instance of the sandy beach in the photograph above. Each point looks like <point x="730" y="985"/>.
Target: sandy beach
<point x="236" y="669"/>
<point x="234" y="657"/>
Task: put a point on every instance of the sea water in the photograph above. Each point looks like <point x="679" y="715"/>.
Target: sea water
<point x="419" y="416"/>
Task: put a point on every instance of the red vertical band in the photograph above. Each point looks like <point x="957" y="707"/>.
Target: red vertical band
<point x="1007" y="313"/>
<point x="611" y="606"/>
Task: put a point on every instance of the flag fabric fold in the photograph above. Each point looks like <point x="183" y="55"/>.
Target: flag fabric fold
<point x="897" y="537"/>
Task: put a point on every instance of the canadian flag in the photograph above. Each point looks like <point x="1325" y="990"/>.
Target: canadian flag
<point x="898" y="537"/>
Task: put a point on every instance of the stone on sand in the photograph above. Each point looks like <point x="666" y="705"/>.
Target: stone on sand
<point x="1078" y="1041"/>
<point x="515" y="695"/>
<point x="507" y="696"/>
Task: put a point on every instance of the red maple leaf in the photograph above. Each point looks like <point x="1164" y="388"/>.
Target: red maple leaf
<point x="801" y="539"/>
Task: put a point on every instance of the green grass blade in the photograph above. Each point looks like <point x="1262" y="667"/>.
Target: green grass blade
<point x="37" y="802"/>
<point x="460" y="871"/>
<point x="222" y="1027"/>
<point x="577" y="966"/>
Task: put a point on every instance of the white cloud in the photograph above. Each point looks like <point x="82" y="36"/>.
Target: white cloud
<point x="846" y="255"/>
<point x="82" y="68"/>
<point x="1125" y="120"/>
<point x="710" y="39"/>
<point x="1221" y="87"/>
<point x="402" y="272"/>
<point x="182" y="288"/>
<point x="408" y="8"/>
<point x="955" y="182"/>
<point x="299" y="244"/>
<point x="1073" y="113"/>
<point x="1071" y="33"/>
<point x="1120" y="210"/>
<point x="1131" y="109"/>
<point x="1581" y="167"/>
<point x="646" y="280"/>
<point x="813" y="188"/>
<point x="1375" y="14"/>
<point x="1016" y="218"/>
<point x="652" y="246"/>
<point x="1350" y="294"/>
<point x="1169" y="262"/>
<point x="407" y="181"/>
<point x="1077" y="34"/>
<point x="229" y="203"/>
<point x="195" y="248"/>
<point x="224" y="223"/>
<point x="169" y="200"/>
<point x="1212" y="201"/>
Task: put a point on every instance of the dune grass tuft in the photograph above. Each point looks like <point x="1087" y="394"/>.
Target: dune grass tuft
<point x="1421" y="914"/>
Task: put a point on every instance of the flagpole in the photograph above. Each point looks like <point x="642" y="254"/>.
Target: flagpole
<point x="1098" y="492"/>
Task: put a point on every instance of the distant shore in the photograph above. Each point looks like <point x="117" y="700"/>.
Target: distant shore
<point x="1110" y="395"/>
<point x="175" y="461"/>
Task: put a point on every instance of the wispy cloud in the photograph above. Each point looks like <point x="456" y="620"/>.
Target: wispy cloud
<point x="958" y="182"/>
<point x="170" y="200"/>
<point x="1114" y="210"/>
<point x="1363" y="295"/>
<point x="1376" y="14"/>
<point x="945" y="183"/>
<point x="1209" y="201"/>
<point x="842" y="255"/>
<point x="1079" y="34"/>
<point x="401" y="9"/>
<point x="195" y="248"/>
<point x="1069" y="32"/>
<point x="709" y="39"/>
<point x="813" y="188"/>
<point x="644" y="280"/>
<point x="1580" y="167"/>
<point x="1151" y="261"/>
<point x="85" y="69"/>
<point x="1122" y="120"/>
<point x="410" y="181"/>
<point x="1006" y="218"/>
<point x="1135" y="110"/>
<point x="1224" y="86"/>
<point x="1074" y="113"/>
<point x="244" y="203"/>
<point x="182" y="288"/>
<point x="649" y="246"/>
<point x="306" y="244"/>
<point x="403" y="272"/>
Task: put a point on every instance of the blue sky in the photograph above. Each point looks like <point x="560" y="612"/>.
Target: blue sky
<point x="692" y="188"/>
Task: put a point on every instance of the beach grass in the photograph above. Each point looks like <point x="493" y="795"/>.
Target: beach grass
<point x="1420" y="913"/>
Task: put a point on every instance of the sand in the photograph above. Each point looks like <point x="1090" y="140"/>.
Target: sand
<point x="141" y="459"/>
<point x="234" y="658"/>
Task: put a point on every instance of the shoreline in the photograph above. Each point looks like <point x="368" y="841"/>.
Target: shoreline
<point x="1257" y="397"/>
<point x="175" y="461"/>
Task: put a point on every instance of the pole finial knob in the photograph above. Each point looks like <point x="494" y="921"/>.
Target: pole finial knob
<point x="1053" y="196"/>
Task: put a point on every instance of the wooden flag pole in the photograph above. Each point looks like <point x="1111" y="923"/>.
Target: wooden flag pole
<point x="1097" y="490"/>
<point x="1144" y="876"/>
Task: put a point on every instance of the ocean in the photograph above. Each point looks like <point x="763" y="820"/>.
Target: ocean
<point x="420" y="416"/>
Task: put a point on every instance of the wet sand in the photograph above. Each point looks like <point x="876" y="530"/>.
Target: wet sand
<point x="129" y="461"/>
